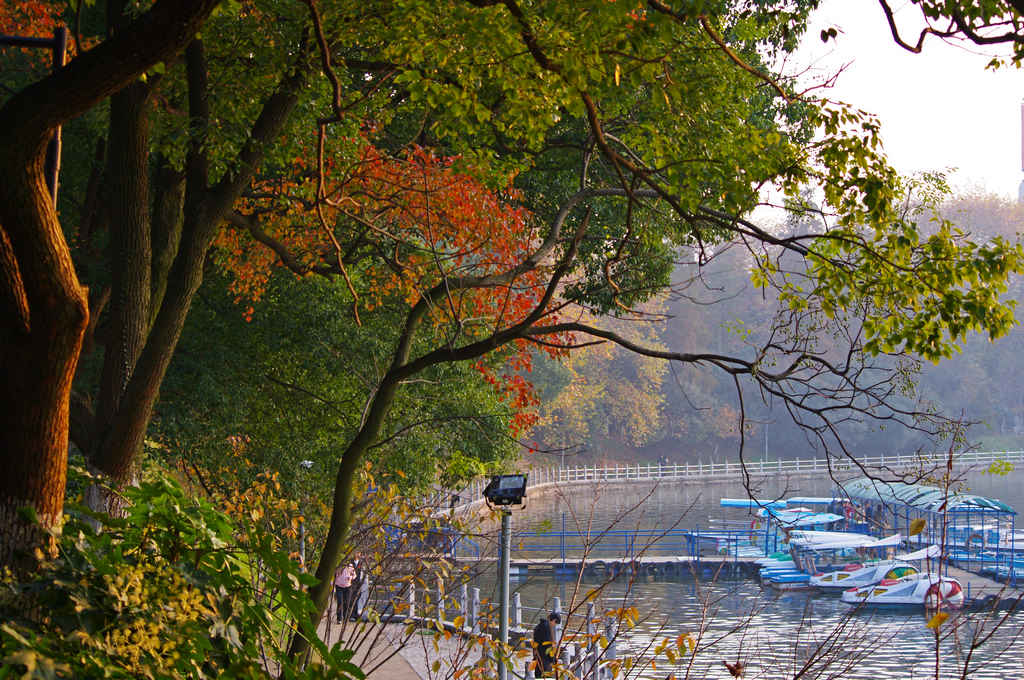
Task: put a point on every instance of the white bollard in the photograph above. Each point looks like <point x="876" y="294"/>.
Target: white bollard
<point x="474" y="611"/>
<point x="440" y="601"/>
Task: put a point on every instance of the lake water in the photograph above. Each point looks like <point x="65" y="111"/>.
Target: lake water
<point x="777" y="635"/>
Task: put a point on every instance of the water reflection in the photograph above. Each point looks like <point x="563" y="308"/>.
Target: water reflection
<point x="785" y="635"/>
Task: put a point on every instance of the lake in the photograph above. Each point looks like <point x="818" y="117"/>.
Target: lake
<point x="777" y="635"/>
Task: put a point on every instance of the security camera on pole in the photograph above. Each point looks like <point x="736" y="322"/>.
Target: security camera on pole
<point x="504" y="491"/>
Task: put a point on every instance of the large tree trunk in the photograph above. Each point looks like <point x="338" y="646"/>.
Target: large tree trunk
<point x="126" y="194"/>
<point x="45" y="312"/>
<point x="44" y="307"/>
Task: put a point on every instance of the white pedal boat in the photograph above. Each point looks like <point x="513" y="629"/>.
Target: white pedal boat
<point x="926" y="590"/>
<point x="858" y="575"/>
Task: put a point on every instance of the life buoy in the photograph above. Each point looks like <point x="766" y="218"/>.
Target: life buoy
<point x="946" y="593"/>
<point x="754" y="526"/>
<point x="975" y="536"/>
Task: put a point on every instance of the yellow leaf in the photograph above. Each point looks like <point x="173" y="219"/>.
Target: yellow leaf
<point x="618" y="74"/>
<point x="916" y="527"/>
<point x="937" y="620"/>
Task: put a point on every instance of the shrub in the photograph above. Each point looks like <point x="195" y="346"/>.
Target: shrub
<point x="171" y="590"/>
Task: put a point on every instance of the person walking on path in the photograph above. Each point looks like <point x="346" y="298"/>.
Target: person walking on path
<point x="343" y="578"/>
<point x="544" y="644"/>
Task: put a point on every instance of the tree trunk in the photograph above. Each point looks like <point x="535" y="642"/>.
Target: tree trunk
<point x="341" y="508"/>
<point x="127" y="193"/>
<point x="205" y="210"/>
<point x="39" y="349"/>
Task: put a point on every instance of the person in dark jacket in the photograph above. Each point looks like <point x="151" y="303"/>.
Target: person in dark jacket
<point x="544" y="644"/>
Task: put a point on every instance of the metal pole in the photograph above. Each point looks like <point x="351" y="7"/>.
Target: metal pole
<point x="503" y="578"/>
<point x="58" y="49"/>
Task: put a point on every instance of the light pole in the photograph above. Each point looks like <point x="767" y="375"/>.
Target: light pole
<point x="503" y="574"/>
<point x="504" y="491"/>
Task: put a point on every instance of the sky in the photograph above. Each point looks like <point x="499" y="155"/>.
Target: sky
<point x="939" y="109"/>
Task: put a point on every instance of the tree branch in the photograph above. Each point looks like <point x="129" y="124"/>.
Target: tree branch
<point x="27" y="118"/>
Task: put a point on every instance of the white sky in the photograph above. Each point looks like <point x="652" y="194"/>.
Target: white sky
<point x="938" y="109"/>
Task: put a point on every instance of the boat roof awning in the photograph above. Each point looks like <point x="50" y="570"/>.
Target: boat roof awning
<point x="923" y="553"/>
<point x="798" y="518"/>
<point x="832" y="540"/>
<point x="751" y="503"/>
<point x="921" y="497"/>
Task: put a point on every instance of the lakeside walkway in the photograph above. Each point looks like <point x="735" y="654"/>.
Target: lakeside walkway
<point x="378" y="649"/>
<point x="389" y="652"/>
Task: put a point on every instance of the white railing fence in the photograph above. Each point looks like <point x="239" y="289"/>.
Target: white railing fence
<point x="729" y="469"/>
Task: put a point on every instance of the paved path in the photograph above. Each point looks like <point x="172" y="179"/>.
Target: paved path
<point x="377" y="648"/>
<point x="392" y="651"/>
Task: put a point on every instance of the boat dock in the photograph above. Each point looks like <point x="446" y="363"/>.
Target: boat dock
<point x="664" y="566"/>
<point x="983" y="591"/>
<point x="649" y="565"/>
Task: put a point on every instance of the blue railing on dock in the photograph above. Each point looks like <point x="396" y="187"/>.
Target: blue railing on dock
<point x="573" y="545"/>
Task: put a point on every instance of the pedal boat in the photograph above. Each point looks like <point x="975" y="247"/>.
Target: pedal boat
<point x="858" y="575"/>
<point x="928" y="590"/>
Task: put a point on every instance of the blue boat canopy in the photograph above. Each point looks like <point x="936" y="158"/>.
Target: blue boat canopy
<point x="750" y="503"/>
<point x="813" y="500"/>
<point x="922" y="497"/>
